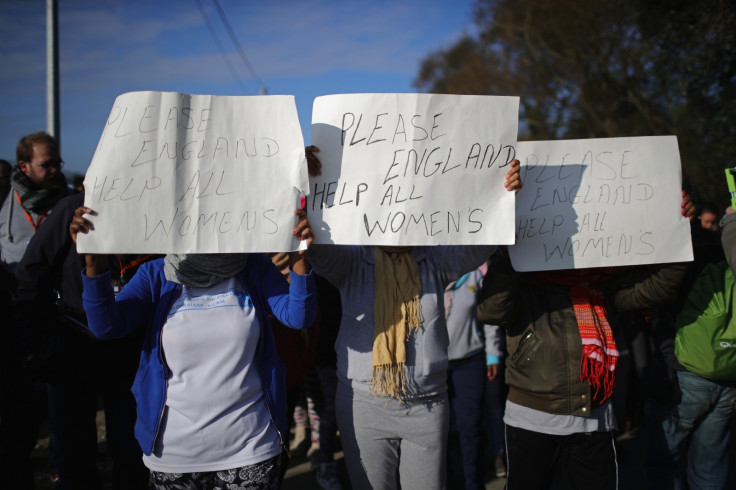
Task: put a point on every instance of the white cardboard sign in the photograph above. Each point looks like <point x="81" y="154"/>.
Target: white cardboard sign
<point x="600" y="202"/>
<point x="179" y="173"/>
<point x="413" y="169"/>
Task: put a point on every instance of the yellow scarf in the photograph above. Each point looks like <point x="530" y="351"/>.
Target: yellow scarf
<point x="397" y="313"/>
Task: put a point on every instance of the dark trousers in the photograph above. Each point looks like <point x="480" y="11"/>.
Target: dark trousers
<point x="22" y="407"/>
<point x="586" y="460"/>
<point x="466" y="380"/>
<point x="327" y="422"/>
<point x="72" y="411"/>
<point x="73" y="407"/>
<point x="495" y="404"/>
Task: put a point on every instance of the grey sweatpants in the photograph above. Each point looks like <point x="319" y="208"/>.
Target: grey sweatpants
<point x="386" y="442"/>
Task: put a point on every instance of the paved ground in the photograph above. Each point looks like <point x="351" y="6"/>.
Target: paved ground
<point x="299" y="475"/>
<point x="631" y="453"/>
<point x="631" y="449"/>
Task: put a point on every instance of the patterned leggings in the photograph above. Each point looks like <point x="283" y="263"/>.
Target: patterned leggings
<point x="260" y="476"/>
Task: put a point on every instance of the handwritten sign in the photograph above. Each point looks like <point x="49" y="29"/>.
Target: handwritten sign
<point x="179" y="173"/>
<point x="413" y="169"/>
<point x="600" y="202"/>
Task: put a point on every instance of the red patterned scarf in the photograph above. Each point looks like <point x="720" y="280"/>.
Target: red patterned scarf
<point x="600" y="355"/>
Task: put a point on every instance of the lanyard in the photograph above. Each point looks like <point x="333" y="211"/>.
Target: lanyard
<point x="28" y="216"/>
<point x="130" y="265"/>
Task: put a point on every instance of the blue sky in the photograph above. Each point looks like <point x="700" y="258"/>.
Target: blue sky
<point x="302" y="48"/>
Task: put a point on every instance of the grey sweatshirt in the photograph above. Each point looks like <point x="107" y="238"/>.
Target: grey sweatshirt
<point x="15" y="230"/>
<point x="468" y="336"/>
<point x="350" y="269"/>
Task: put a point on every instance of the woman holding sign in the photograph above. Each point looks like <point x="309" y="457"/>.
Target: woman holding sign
<point x="210" y="388"/>
<point x="561" y="363"/>
<point x="391" y="402"/>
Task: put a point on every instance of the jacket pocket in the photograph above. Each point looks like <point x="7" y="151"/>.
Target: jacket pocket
<point x="525" y="345"/>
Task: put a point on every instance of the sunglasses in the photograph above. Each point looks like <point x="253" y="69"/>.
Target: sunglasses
<point x="48" y="164"/>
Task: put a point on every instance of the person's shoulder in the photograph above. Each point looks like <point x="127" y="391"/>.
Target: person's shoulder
<point x="154" y="264"/>
<point x="257" y="264"/>
<point x="70" y="202"/>
<point x="61" y="214"/>
<point x="259" y="260"/>
<point x="6" y="201"/>
<point x="259" y="268"/>
<point x="728" y="219"/>
<point x="75" y="199"/>
<point x="154" y="271"/>
<point x="152" y="268"/>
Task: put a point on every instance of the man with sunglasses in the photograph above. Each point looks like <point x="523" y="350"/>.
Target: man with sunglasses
<point x="37" y="184"/>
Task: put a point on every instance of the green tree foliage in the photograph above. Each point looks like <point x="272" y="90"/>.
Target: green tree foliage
<point x="606" y="69"/>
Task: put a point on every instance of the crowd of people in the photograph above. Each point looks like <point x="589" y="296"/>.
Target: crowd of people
<point x="430" y="367"/>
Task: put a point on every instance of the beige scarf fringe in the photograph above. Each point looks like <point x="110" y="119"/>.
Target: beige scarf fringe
<point x="397" y="313"/>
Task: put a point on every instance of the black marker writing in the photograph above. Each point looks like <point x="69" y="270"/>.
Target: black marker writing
<point x="219" y="222"/>
<point x="428" y="223"/>
<point x="200" y="190"/>
<point x="380" y="130"/>
<point x="601" y="246"/>
<point x="106" y="188"/>
<point x="323" y="195"/>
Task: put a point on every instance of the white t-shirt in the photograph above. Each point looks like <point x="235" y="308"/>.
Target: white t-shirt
<point x="601" y="420"/>
<point x="216" y="417"/>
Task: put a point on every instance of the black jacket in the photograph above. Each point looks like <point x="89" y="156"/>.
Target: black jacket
<point x="49" y="319"/>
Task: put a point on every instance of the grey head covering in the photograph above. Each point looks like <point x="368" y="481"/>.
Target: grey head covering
<point x="202" y="270"/>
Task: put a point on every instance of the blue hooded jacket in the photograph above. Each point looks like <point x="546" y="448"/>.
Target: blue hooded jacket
<point x="145" y="303"/>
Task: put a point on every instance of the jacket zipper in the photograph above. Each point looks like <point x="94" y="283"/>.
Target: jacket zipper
<point x="522" y="343"/>
<point x="261" y="318"/>
<point x="163" y="405"/>
<point x="163" y="363"/>
<point x="284" y="446"/>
